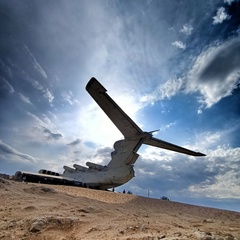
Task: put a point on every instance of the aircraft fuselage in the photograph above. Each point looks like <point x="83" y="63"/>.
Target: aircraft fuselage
<point x="120" y="169"/>
<point x="104" y="179"/>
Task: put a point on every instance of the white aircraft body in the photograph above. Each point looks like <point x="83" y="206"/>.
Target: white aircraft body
<point x="120" y="169"/>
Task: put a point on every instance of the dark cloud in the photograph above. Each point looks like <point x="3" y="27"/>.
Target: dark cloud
<point x="50" y="135"/>
<point x="75" y="142"/>
<point x="176" y="174"/>
<point x="104" y="155"/>
<point x="77" y="152"/>
<point x="216" y="72"/>
<point x="173" y="175"/>
<point x="222" y="62"/>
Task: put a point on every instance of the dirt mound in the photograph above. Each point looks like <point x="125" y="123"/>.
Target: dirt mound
<point x="51" y="222"/>
<point x="37" y="211"/>
<point x="39" y="190"/>
<point x="4" y="183"/>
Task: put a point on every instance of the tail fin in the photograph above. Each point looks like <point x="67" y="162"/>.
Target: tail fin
<point x="121" y="120"/>
<point x="128" y="127"/>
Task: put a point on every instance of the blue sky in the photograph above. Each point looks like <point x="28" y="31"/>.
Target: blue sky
<point x="171" y="65"/>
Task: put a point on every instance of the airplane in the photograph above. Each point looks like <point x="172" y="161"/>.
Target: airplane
<point x="121" y="167"/>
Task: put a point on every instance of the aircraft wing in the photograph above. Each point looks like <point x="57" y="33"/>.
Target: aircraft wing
<point x="121" y="120"/>
<point x="169" y="146"/>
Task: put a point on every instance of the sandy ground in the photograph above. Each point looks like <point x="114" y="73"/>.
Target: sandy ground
<point x="36" y="211"/>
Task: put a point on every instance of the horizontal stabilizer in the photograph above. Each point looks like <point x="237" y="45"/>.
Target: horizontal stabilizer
<point x="125" y="124"/>
<point x="121" y="120"/>
<point x="169" y="146"/>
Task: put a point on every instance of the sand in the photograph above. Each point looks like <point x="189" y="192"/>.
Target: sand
<point x="37" y="211"/>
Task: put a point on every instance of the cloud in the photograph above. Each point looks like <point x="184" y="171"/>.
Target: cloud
<point x="187" y="29"/>
<point x="216" y="72"/>
<point x="5" y="70"/>
<point x="7" y="151"/>
<point x="163" y="128"/>
<point x="224" y="162"/>
<point x="216" y="175"/>
<point x="179" y="44"/>
<point x="35" y="84"/>
<point x="48" y="95"/>
<point x="229" y="2"/>
<point x="24" y="99"/>
<point x="6" y="85"/>
<point x="35" y="118"/>
<point x="25" y="76"/>
<point x="69" y="97"/>
<point x="103" y="155"/>
<point x="164" y="91"/>
<point x="221" y="16"/>
<point x="75" y="142"/>
<point x="166" y="172"/>
<point x="50" y="135"/>
<point x="43" y="126"/>
<point x="36" y="65"/>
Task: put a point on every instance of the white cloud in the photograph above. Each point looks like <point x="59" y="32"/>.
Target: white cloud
<point x="163" y="128"/>
<point x="187" y="29"/>
<point x="171" y="87"/>
<point x="7" y="151"/>
<point x="216" y="175"/>
<point x="48" y="95"/>
<point x="221" y="16"/>
<point x="39" y="129"/>
<point x="24" y="99"/>
<point x="216" y="72"/>
<point x="212" y="138"/>
<point x="35" y="84"/>
<point x="179" y="44"/>
<point x="69" y="97"/>
<point x="164" y="90"/>
<point x="157" y="154"/>
<point x="36" y="65"/>
<point x="43" y="121"/>
<point x="228" y="1"/>
<point x="36" y="119"/>
<point x="210" y="141"/>
<point x="225" y="183"/>
<point x="7" y="85"/>
<point x="6" y="70"/>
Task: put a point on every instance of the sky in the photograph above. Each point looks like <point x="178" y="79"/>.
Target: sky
<point x="171" y="65"/>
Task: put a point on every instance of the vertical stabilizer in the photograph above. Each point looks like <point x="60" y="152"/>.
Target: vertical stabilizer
<point x="121" y="120"/>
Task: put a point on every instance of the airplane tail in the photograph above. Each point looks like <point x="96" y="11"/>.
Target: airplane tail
<point x="121" y="120"/>
<point x="125" y="153"/>
<point x="132" y="133"/>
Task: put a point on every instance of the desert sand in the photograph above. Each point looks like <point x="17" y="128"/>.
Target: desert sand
<point x="37" y="211"/>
